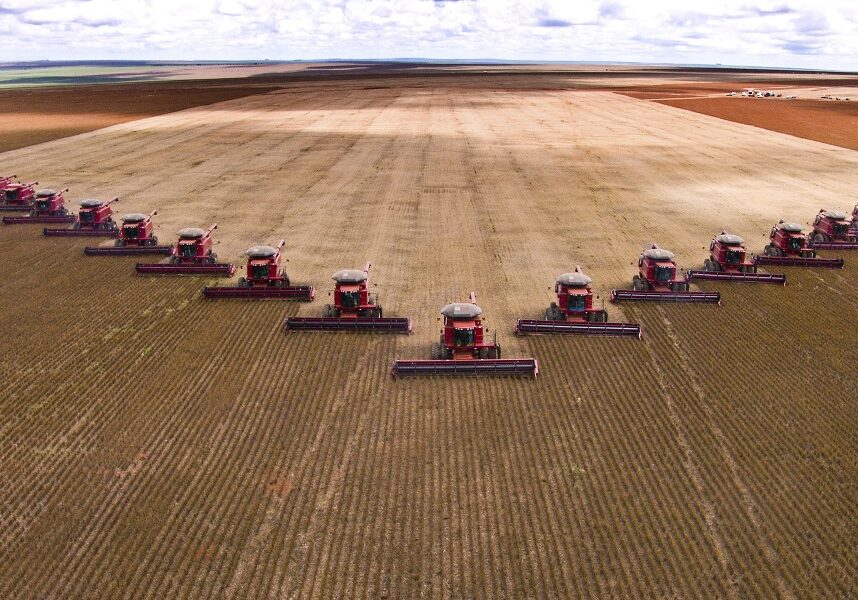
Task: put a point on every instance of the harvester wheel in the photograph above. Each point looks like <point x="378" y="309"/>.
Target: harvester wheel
<point x="328" y="311"/>
<point x="242" y="282"/>
<point x="772" y="250"/>
<point x="707" y="265"/>
<point x="638" y="284"/>
<point x="820" y="237"/>
<point x="174" y="260"/>
<point x="484" y="353"/>
<point x="119" y="243"/>
<point x="153" y="241"/>
<point x="437" y="351"/>
<point x="494" y="352"/>
<point x="285" y="281"/>
<point x="377" y="312"/>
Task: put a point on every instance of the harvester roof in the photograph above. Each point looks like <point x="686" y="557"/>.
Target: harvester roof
<point x="462" y="310"/>
<point x="261" y="251"/>
<point x="191" y="233"/>
<point x="658" y="254"/>
<point x="46" y="193"/>
<point x="91" y="203"/>
<point x="349" y="276"/>
<point x="133" y="218"/>
<point x="835" y="215"/>
<point x="790" y="227"/>
<point x="728" y="239"/>
<point x="574" y="280"/>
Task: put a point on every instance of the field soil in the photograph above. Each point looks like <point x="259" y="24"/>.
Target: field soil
<point x="155" y="441"/>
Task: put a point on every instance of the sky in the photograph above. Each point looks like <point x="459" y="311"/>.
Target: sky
<point x="817" y="34"/>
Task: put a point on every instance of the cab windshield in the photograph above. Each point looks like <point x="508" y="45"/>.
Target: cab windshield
<point x="841" y="228"/>
<point x="187" y="250"/>
<point x="86" y="216"/>
<point x="11" y="194"/>
<point x="350" y="299"/>
<point x="663" y="274"/>
<point x="795" y="243"/>
<point x="259" y="271"/>
<point x="734" y="257"/>
<point x="132" y="232"/>
<point x="43" y="204"/>
<point x="463" y="337"/>
<point x="576" y="302"/>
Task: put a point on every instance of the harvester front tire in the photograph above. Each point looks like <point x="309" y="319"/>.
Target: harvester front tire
<point x="638" y="284"/>
<point x="437" y="351"/>
<point x="328" y="311"/>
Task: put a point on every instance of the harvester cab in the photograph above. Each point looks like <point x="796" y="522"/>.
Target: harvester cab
<point x="265" y="278"/>
<point x="351" y="296"/>
<point x="574" y="313"/>
<point x="96" y="215"/>
<point x="728" y="261"/>
<point x="657" y="272"/>
<point x="263" y="267"/>
<point x="834" y="230"/>
<point x="354" y="309"/>
<point x="788" y="239"/>
<point x="464" y="350"/>
<point x="195" y="246"/>
<point x="49" y="202"/>
<point x="137" y="230"/>
<point x="656" y="281"/>
<point x="17" y="196"/>
<point x="463" y="335"/>
<point x="193" y="254"/>
<point x="788" y="246"/>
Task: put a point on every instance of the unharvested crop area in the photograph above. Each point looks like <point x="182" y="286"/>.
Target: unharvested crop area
<point x="153" y="444"/>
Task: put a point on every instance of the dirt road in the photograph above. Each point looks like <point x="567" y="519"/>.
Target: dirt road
<point x="156" y="441"/>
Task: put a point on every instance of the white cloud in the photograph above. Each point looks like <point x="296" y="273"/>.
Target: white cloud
<point x="797" y="33"/>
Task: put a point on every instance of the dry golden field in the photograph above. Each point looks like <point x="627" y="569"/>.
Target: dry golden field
<point x="153" y="444"/>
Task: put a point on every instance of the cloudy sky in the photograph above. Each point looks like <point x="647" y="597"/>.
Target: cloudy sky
<point x="781" y="33"/>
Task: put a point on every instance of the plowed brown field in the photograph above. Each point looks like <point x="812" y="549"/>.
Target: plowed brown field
<point x="153" y="444"/>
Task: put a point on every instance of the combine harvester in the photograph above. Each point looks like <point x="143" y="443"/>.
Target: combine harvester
<point x="136" y="236"/>
<point x="49" y="206"/>
<point x="789" y="248"/>
<point x="95" y="219"/>
<point x="728" y="261"/>
<point x="353" y="309"/>
<point x="656" y="282"/>
<point x="17" y="197"/>
<point x="265" y="278"/>
<point x="192" y="255"/>
<point x="463" y="349"/>
<point x="833" y="231"/>
<point x="574" y="313"/>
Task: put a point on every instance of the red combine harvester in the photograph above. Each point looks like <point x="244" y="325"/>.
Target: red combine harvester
<point x="728" y="261"/>
<point x="265" y="278"/>
<point x="464" y="350"/>
<point x="16" y="196"/>
<point x="574" y="313"/>
<point x="95" y="219"/>
<point x="354" y="309"/>
<point x="136" y="236"/>
<point x="789" y="247"/>
<point x="49" y="206"/>
<point x="192" y="255"/>
<point x="834" y="231"/>
<point x="656" y="281"/>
